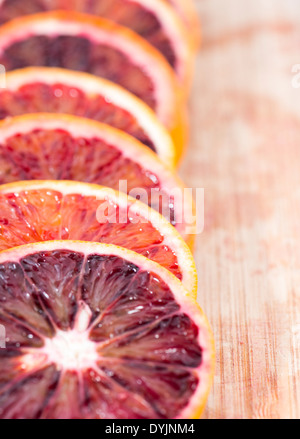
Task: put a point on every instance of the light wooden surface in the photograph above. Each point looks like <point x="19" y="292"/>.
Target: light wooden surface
<point x="245" y="152"/>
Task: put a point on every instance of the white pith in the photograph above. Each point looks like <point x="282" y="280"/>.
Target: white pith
<point x="73" y="349"/>
<point x="68" y="350"/>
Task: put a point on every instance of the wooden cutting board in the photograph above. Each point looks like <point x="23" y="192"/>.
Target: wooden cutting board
<point x="245" y="153"/>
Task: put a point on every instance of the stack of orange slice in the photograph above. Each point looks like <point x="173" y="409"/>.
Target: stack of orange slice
<point x="97" y="279"/>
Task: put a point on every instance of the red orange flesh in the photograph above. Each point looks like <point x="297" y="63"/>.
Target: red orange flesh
<point x="96" y="331"/>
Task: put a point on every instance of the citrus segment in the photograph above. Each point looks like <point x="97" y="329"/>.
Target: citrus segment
<point x="60" y="147"/>
<point x="51" y="210"/>
<point x="125" y="340"/>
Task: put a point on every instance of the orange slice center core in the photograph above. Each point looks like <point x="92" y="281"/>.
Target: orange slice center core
<point x="69" y="350"/>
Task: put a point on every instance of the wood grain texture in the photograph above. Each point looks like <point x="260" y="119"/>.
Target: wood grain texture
<point x="245" y="152"/>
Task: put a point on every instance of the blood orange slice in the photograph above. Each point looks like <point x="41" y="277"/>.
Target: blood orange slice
<point x="97" y="331"/>
<point x="37" y="211"/>
<point x="154" y="20"/>
<point x="188" y="12"/>
<point x="60" y="147"/>
<point x="51" y="90"/>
